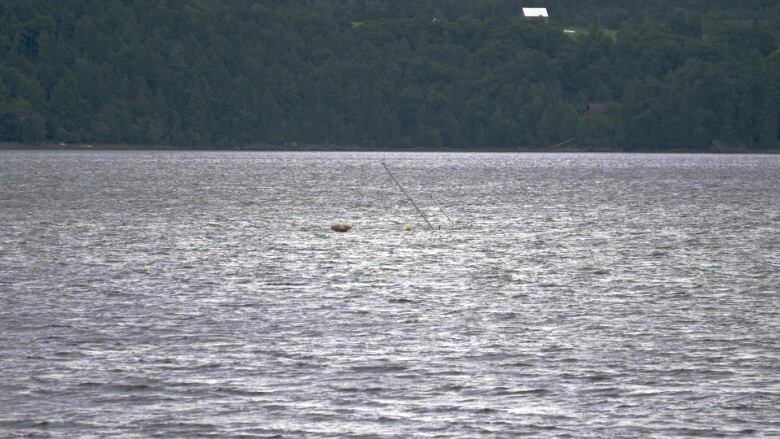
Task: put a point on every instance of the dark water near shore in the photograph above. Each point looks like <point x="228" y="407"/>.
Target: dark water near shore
<point x="202" y="294"/>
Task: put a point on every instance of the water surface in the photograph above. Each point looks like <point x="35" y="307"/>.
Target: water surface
<point x="196" y="294"/>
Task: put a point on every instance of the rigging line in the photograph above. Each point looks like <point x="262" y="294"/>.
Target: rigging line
<point x="407" y="195"/>
<point x="441" y="209"/>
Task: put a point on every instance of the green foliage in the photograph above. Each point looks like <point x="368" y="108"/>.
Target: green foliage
<point x="682" y="74"/>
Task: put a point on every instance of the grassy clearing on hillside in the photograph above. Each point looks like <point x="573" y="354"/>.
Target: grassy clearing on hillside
<point x="583" y="31"/>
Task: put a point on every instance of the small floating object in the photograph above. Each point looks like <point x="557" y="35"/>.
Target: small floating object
<point x="407" y="228"/>
<point x="340" y="227"/>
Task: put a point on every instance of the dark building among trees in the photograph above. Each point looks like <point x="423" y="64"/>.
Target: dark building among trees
<point x="596" y="109"/>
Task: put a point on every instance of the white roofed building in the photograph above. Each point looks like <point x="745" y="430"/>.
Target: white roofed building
<point x="535" y="13"/>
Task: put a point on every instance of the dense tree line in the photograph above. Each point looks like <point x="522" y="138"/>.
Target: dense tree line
<point x="692" y="74"/>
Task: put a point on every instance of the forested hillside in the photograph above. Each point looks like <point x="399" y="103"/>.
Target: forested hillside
<point x="634" y="75"/>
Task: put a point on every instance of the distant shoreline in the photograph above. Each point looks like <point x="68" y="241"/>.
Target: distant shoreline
<point x="296" y="147"/>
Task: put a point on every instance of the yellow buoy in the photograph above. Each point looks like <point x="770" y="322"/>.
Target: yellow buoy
<point x="407" y="228"/>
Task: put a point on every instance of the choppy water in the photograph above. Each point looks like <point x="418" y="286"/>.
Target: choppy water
<point x="203" y="294"/>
